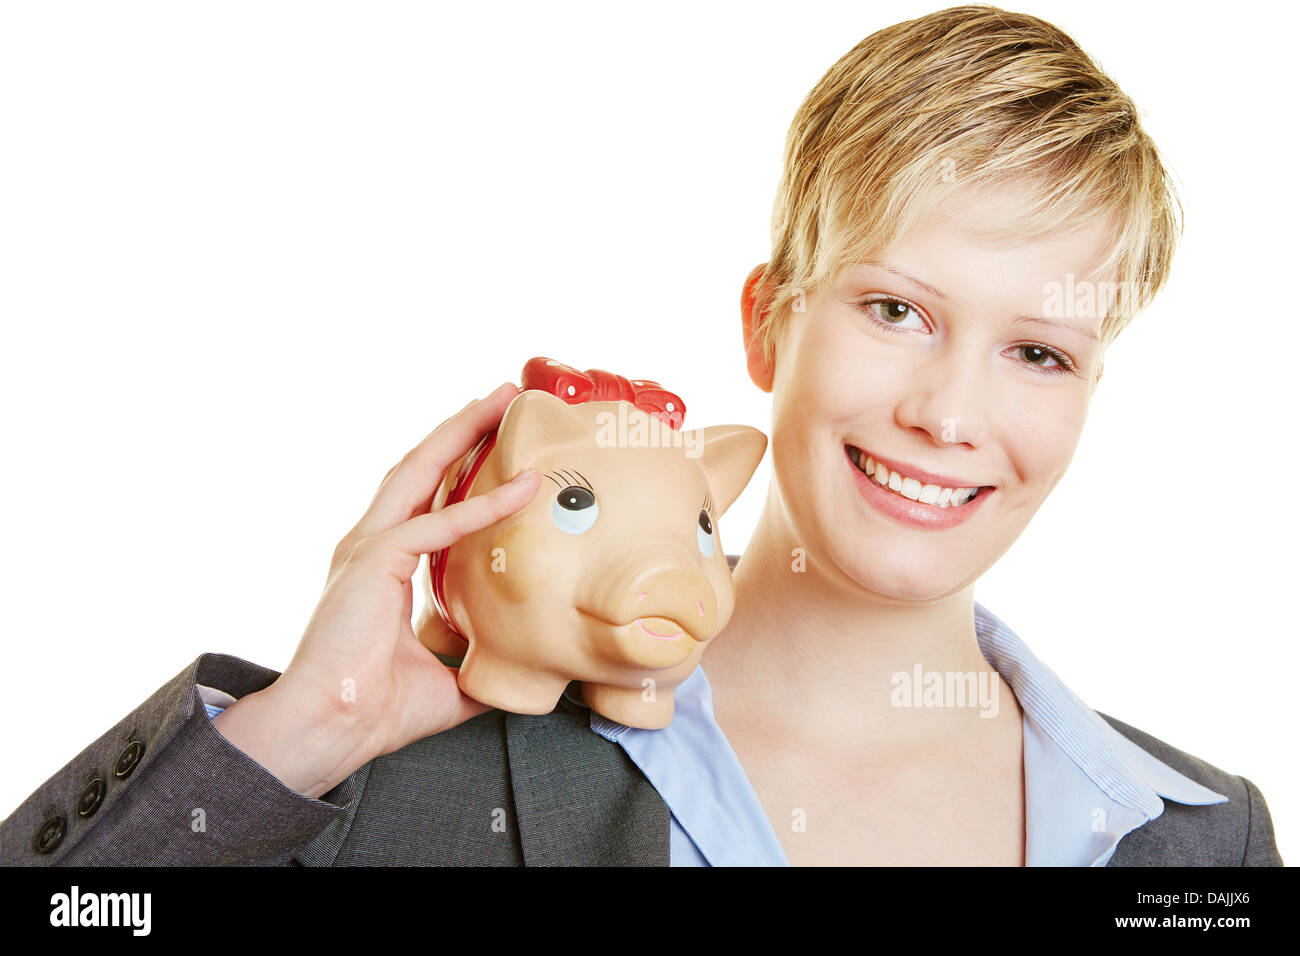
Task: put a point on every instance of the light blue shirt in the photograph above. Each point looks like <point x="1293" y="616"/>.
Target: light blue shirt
<point x="1086" y="784"/>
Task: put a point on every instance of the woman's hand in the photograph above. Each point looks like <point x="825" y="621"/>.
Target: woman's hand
<point x="361" y="684"/>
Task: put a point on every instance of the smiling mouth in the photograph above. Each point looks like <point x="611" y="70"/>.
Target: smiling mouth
<point x="911" y="488"/>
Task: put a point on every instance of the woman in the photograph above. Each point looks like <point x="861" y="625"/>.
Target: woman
<point x="970" y="214"/>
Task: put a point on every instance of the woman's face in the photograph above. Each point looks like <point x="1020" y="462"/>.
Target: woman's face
<point x="934" y="359"/>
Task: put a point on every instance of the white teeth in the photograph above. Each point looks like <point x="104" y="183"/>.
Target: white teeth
<point x="911" y="487"/>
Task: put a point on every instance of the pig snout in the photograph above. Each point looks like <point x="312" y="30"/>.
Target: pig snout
<point x="662" y="594"/>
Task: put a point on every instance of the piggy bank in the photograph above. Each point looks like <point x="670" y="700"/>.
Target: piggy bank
<point x="614" y="574"/>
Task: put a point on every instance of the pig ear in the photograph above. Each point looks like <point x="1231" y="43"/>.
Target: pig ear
<point x="532" y="423"/>
<point x="729" y="456"/>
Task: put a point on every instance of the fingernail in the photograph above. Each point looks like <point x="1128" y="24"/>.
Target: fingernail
<point x="522" y="475"/>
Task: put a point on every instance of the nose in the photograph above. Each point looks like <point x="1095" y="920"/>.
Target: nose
<point x="947" y="397"/>
<point x="657" y="583"/>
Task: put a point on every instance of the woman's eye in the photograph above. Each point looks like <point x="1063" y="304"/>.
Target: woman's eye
<point x="1043" y="359"/>
<point x="574" y="510"/>
<point x="1036" y="356"/>
<point x="704" y="534"/>
<point x="894" y="314"/>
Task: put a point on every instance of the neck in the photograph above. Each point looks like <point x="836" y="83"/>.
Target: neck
<point x="809" y="648"/>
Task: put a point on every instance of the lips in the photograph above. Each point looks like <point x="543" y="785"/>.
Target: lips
<point x="911" y="471"/>
<point x="906" y="486"/>
<point x="648" y="625"/>
<point x="935" y="515"/>
<point x="660" y="628"/>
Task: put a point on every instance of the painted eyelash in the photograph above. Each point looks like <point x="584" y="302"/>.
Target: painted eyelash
<point x="569" y="479"/>
<point x="582" y="480"/>
<point x="1064" y="364"/>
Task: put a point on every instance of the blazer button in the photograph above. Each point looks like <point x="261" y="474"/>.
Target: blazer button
<point x="91" y="797"/>
<point x="50" y="835"/>
<point x="128" y="760"/>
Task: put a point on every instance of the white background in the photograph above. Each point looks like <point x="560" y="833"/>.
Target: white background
<point x="250" y="253"/>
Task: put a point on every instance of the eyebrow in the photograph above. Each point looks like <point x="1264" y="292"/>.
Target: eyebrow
<point x="1083" y="330"/>
<point x="899" y="272"/>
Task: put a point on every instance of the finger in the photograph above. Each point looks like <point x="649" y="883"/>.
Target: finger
<point x="427" y="533"/>
<point x="408" y="601"/>
<point x="503" y="394"/>
<point x="409" y="487"/>
<point x="426" y="582"/>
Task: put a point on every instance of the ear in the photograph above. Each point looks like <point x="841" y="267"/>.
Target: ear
<point x="534" y="421"/>
<point x="753" y="303"/>
<point x="1101" y="367"/>
<point x="729" y="454"/>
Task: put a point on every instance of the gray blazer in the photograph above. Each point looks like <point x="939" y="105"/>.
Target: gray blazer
<point x="500" y="789"/>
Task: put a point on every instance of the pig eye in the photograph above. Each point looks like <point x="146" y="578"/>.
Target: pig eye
<point x="574" y="510"/>
<point x="704" y="534"/>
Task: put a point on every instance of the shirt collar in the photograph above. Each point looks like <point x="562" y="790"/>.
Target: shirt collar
<point x="1086" y="785"/>
<point x="1118" y="767"/>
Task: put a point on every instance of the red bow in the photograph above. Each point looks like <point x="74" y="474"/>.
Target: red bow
<point x="597" y="385"/>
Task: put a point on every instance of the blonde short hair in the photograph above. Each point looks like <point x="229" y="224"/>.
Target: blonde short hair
<point x="971" y="95"/>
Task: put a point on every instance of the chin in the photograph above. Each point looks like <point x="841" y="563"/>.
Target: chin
<point x="906" y="578"/>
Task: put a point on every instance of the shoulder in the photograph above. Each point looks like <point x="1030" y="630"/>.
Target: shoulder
<point x="1199" y="770"/>
<point x="1236" y="833"/>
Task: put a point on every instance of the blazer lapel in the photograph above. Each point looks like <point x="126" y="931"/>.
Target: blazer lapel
<point x="579" y="798"/>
